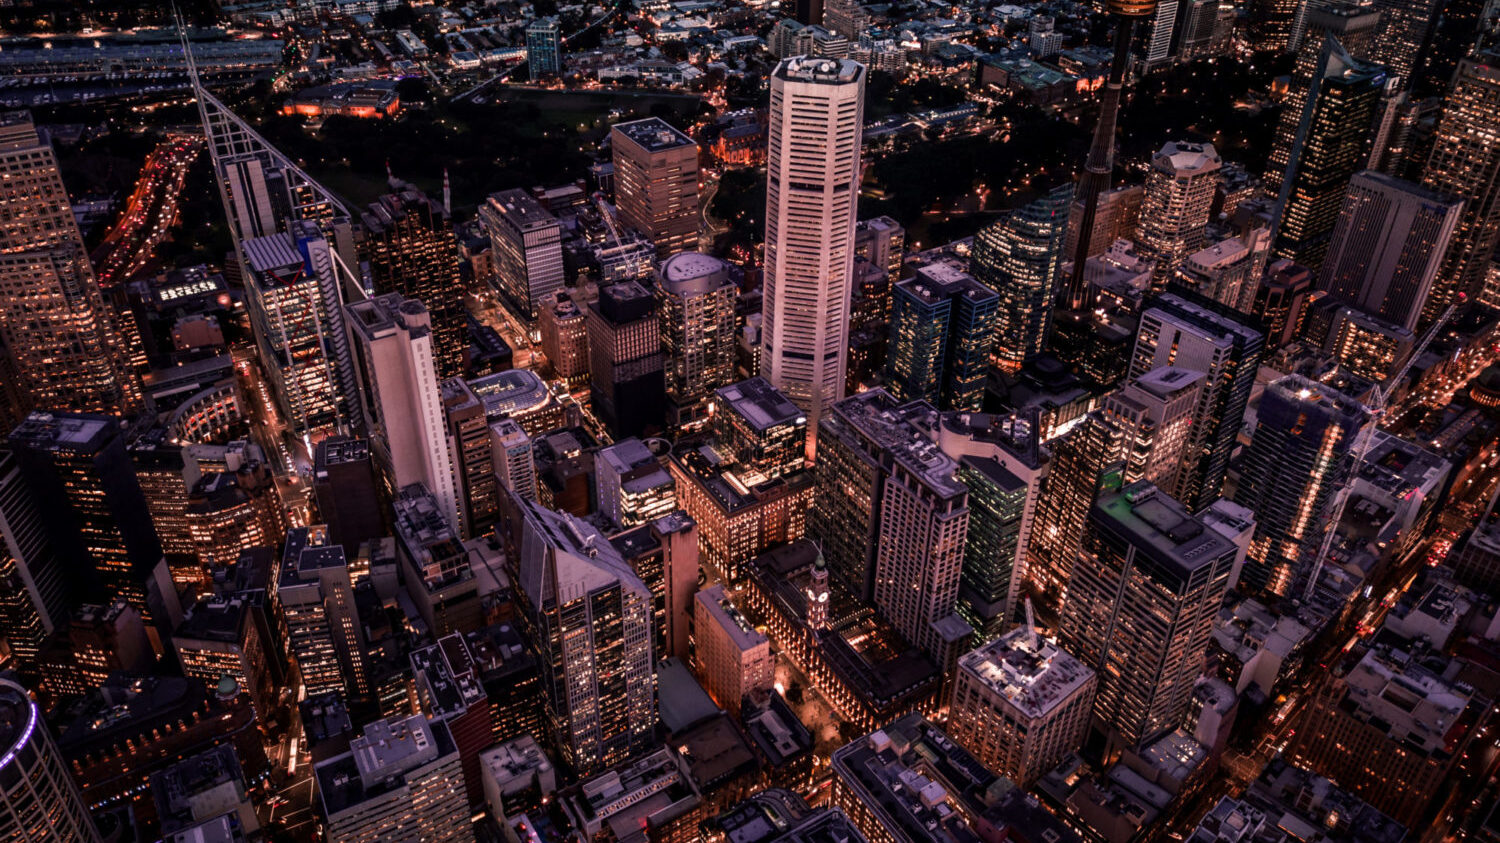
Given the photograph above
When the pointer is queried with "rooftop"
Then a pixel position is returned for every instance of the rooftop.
(379, 759)
(511, 391)
(1033, 673)
(63, 432)
(1162, 528)
(723, 612)
(653, 134)
(890, 429)
(760, 404)
(820, 70)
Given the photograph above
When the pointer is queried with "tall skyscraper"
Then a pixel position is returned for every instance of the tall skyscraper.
(942, 334)
(695, 297)
(62, 341)
(904, 544)
(84, 487)
(42, 804)
(991, 575)
(294, 298)
(544, 47)
(656, 183)
(1140, 610)
(512, 460)
(1353, 27)
(1019, 258)
(1174, 212)
(1270, 23)
(1179, 329)
(625, 359)
(1406, 27)
(394, 336)
(34, 597)
(1156, 413)
(1159, 47)
(1297, 460)
(347, 492)
(1331, 143)
(758, 428)
(634, 487)
(817, 112)
(1085, 461)
(527, 241)
(314, 602)
(1465, 164)
(470, 448)
(590, 618)
(1388, 245)
(413, 251)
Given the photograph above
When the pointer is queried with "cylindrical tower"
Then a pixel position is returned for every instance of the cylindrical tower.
(38, 799)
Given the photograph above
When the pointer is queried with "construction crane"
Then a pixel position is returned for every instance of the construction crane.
(638, 267)
(1379, 397)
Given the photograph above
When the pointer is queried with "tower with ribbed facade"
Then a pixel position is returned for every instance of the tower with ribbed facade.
(817, 113)
(38, 800)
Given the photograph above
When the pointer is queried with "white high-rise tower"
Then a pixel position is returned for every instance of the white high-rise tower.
(817, 115)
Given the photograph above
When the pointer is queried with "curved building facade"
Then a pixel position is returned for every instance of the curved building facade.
(38, 800)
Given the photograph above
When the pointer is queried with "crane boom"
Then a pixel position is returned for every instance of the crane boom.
(1380, 396)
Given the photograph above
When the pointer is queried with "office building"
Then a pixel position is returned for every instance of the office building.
(511, 460)
(1405, 29)
(41, 802)
(470, 444)
(1019, 258)
(1367, 346)
(521, 395)
(816, 104)
(908, 782)
(904, 544)
(413, 252)
(882, 242)
(527, 244)
(589, 616)
(1116, 218)
(1390, 728)
(63, 347)
(1465, 164)
(1388, 246)
(1297, 461)
(34, 595)
(313, 600)
(759, 428)
(1140, 610)
(201, 788)
(626, 375)
(79, 477)
(1156, 413)
(664, 554)
(1175, 208)
(544, 48)
(740, 511)
(400, 780)
(294, 298)
(634, 487)
(1331, 144)
(990, 580)
(695, 301)
(565, 339)
(1084, 461)
(656, 183)
(1021, 703)
(435, 564)
(447, 681)
(1181, 330)
(224, 636)
(1353, 27)
(732, 657)
(405, 404)
(516, 776)
(347, 493)
(106, 638)
(942, 334)
(1229, 271)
